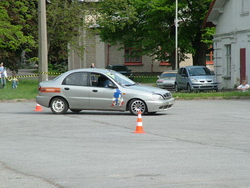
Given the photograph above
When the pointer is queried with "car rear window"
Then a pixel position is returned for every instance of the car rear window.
(164, 75)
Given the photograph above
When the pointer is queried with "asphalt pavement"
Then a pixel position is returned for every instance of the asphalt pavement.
(198, 143)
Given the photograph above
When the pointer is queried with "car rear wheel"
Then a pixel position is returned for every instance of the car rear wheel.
(136, 105)
(59, 105)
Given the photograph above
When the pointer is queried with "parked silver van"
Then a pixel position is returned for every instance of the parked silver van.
(195, 78)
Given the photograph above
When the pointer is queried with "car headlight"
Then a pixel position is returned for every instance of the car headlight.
(194, 80)
(157, 96)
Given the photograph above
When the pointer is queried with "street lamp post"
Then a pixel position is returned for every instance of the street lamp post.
(176, 35)
(43, 49)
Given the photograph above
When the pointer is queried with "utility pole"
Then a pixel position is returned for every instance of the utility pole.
(176, 35)
(43, 49)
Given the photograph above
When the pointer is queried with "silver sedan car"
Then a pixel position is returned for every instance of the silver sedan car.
(167, 80)
(101, 89)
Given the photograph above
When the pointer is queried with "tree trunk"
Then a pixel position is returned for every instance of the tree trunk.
(199, 58)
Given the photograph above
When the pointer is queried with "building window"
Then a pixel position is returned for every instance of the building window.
(133, 57)
(244, 7)
(209, 56)
(228, 60)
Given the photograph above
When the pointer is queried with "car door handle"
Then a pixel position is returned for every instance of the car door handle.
(66, 88)
(94, 90)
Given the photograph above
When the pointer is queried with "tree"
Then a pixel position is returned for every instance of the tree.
(66, 19)
(14, 25)
(19, 29)
(150, 25)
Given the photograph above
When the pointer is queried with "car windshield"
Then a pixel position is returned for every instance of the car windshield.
(120, 79)
(199, 71)
(168, 75)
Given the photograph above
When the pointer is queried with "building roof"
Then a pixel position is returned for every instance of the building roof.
(215, 10)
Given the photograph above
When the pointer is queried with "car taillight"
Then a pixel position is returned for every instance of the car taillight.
(49, 90)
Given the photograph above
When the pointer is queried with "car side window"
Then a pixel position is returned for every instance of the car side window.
(179, 71)
(76, 79)
(99, 80)
(94, 79)
(184, 73)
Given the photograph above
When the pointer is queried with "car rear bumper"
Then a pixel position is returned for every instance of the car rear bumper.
(43, 100)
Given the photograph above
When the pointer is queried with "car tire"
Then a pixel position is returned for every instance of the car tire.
(189, 90)
(59, 105)
(136, 105)
(176, 88)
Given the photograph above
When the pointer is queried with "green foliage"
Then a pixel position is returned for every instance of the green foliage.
(144, 79)
(58, 67)
(19, 30)
(15, 37)
(208, 35)
(150, 25)
(64, 19)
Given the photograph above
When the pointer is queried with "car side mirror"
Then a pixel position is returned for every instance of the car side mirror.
(112, 85)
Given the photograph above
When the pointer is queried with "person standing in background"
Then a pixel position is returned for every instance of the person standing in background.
(3, 75)
(92, 65)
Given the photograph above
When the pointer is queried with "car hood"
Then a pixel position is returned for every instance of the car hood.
(146, 88)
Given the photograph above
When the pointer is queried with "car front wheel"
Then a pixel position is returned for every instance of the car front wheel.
(176, 88)
(59, 105)
(136, 105)
(189, 90)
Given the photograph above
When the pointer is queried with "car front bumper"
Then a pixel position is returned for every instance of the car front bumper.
(161, 105)
(205, 86)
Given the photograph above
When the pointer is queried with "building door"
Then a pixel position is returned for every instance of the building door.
(242, 64)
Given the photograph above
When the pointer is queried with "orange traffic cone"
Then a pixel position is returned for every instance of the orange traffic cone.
(38, 108)
(139, 126)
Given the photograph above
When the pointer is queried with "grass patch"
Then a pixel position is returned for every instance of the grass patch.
(145, 79)
(212, 95)
(26, 89)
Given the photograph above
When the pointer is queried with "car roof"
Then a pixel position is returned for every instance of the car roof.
(198, 66)
(90, 70)
(117, 65)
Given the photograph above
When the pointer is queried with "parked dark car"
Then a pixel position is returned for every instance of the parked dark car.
(123, 69)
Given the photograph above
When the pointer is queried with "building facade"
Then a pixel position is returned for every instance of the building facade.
(103, 54)
(231, 41)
